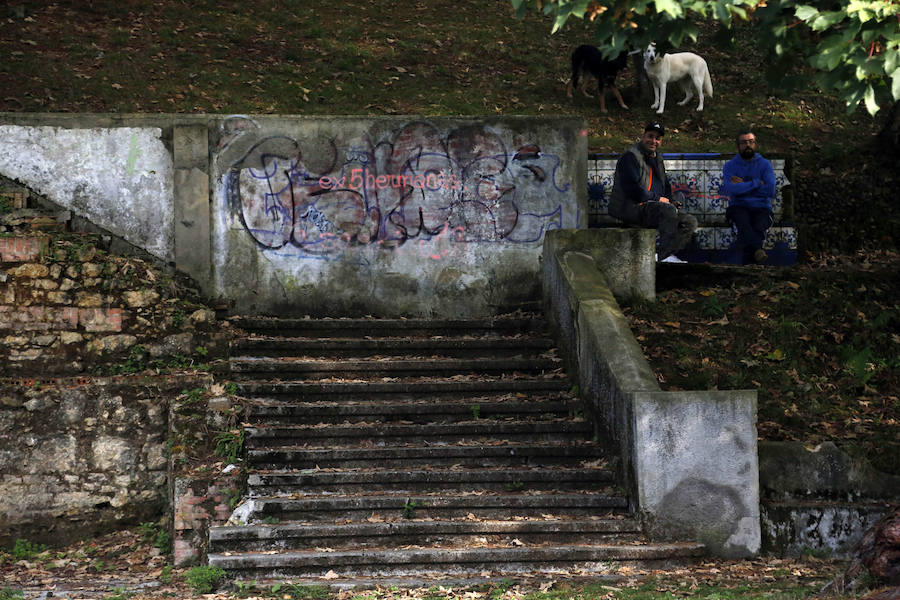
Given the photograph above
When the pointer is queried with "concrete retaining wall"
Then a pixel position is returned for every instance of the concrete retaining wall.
(820, 499)
(688, 459)
(319, 216)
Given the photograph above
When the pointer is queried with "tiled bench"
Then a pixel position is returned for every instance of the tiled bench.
(699, 178)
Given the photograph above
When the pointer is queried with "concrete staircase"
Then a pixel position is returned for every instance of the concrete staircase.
(409, 448)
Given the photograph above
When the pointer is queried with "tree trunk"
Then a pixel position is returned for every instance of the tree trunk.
(889, 136)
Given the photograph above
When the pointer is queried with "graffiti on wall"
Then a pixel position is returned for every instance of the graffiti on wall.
(420, 185)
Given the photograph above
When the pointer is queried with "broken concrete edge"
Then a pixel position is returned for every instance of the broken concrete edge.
(199, 499)
(197, 504)
(819, 500)
(687, 459)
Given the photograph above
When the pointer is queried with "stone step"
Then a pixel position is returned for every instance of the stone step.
(465, 408)
(418, 532)
(452, 560)
(401, 391)
(360, 328)
(348, 481)
(485, 432)
(436, 447)
(458, 347)
(507, 455)
(487, 505)
(302, 368)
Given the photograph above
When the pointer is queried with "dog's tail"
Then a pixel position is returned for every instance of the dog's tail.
(707, 84)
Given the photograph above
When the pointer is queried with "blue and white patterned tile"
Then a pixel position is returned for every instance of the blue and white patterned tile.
(691, 184)
(715, 209)
(598, 198)
(789, 236)
(773, 236)
(725, 237)
(777, 207)
(716, 203)
(706, 238)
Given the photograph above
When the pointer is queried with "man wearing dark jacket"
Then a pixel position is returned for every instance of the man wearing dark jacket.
(641, 194)
(748, 180)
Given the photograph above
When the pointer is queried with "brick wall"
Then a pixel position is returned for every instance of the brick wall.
(67, 307)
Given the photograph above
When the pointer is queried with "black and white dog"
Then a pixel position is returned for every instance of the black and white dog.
(588, 59)
(687, 68)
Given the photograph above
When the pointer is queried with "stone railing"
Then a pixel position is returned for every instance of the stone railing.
(688, 459)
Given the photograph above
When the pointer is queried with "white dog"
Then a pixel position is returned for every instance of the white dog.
(686, 68)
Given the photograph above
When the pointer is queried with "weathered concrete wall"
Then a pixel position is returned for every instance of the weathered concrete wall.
(696, 456)
(391, 216)
(689, 459)
(819, 499)
(118, 178)
(79, 459)
(320, 216)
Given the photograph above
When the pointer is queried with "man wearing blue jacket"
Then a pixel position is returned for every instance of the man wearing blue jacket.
(749, 182)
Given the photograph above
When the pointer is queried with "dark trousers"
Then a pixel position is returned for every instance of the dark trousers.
(751, 224)
(675, 228)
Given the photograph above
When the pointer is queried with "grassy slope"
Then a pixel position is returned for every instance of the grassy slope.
(464, 57)
(470, 57)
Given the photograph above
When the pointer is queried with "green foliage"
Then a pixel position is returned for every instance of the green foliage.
(5, 205)
(713, 307)
(119, 594)
(204, 579)
(234, 497)
(192, 396)
(11, 594)
(229, 444)
(499, 590)
(476, 411)
(515, 486)
(861, 364)
(855, 47)
(165, 575)
(151, 533)
(25, 550)
(409, 509)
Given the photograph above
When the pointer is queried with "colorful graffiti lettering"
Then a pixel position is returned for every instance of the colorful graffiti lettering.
(457, 188)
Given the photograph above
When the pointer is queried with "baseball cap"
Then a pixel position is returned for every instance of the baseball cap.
(654, 126)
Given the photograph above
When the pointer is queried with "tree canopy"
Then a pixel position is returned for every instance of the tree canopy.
(852, 45)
